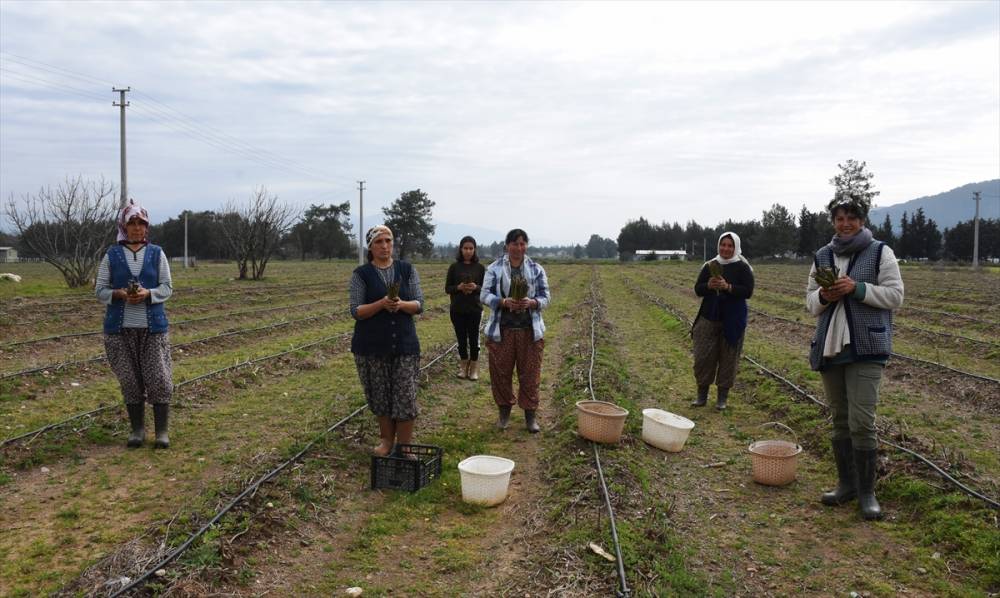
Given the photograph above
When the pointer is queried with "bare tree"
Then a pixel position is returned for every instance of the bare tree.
(69, 227)
(254, 230)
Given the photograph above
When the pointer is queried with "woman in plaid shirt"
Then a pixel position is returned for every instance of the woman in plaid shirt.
(515, 329)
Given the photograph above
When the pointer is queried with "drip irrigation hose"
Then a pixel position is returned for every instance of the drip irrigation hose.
(66, 364)
(178, 323)
(48, 427)
(989, 501)
(249, 490)
(624, 591)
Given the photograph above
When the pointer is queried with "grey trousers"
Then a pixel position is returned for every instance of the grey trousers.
(852, 393)
(715, 360)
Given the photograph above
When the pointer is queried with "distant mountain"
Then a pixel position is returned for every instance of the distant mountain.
(948, 208)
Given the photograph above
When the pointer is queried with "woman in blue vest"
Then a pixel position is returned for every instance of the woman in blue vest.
(718, 329)
(385, 346)
(852, 344)
(133, 280)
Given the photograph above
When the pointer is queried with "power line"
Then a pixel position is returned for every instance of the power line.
(168, 116)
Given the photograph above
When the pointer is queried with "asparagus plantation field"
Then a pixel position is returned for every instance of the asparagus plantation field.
(261, 369)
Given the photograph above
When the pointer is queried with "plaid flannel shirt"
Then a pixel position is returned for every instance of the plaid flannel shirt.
(496, 287)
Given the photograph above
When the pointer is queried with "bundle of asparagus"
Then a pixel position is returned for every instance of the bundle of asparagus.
(826, 276)
(133, 287)
(518, 288)
(393, 291)
(714, 269)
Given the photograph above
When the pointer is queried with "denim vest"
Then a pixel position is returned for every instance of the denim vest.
(385, 333)
(870, 327)
(149, 278)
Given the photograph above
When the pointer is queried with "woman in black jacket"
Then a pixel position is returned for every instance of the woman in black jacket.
(463, 282)
(722, 319)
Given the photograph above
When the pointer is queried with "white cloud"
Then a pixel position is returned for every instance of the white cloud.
(598, 111)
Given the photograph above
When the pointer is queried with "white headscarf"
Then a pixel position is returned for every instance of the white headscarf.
(737, 254)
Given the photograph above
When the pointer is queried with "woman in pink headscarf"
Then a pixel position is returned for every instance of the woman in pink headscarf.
(133, 280)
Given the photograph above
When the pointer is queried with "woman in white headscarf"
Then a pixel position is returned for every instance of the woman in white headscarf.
(133, 281)
(722, 319)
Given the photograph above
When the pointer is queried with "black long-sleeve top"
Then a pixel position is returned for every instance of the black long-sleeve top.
(458, 272)
(728, 306)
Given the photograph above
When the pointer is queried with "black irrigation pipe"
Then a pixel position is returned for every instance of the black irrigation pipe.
(89, 297)
(178, 323)
(182, 305)
(894, 354)
(919, 360)
(989, 501)
(241, 364)
(248, 491)
(624, 591)
(916, 329)
(66, 364)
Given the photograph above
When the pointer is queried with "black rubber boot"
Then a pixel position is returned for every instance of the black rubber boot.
(847, 484)
(161, 413)
(720, 403)
(136, 416)
(702, 397)
(865, 461)
(529, 421)
(504, 420)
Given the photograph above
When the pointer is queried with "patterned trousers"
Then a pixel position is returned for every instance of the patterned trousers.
(141, 362)
(715, 360)
(517, 348)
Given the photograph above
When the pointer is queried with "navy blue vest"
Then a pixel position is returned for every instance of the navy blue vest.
(870, 327)
(385, 333)
(149, 278)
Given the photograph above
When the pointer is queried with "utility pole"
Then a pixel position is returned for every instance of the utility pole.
(976, 196)
(361, 223)
(185, 239)
(123, 104)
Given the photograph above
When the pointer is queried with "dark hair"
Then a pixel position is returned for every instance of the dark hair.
(514, 234)
(849, 209)
(475, 254)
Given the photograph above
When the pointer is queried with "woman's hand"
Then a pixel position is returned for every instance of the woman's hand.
(844, 286)
(718, 283)
(390, 305)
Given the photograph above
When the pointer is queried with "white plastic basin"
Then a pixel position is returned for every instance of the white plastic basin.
(485, 479)
(664, 430)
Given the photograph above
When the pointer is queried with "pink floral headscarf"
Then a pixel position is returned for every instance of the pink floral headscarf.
(130, 211)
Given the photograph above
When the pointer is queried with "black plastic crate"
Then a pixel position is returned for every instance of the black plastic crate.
(409, 467)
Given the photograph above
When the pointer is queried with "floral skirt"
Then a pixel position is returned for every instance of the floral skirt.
(390, 383)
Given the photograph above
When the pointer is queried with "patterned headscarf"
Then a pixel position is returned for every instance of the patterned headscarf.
(130, 211)
(376, 232)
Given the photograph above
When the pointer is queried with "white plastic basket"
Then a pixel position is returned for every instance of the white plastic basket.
(664, 430)
(485, 479)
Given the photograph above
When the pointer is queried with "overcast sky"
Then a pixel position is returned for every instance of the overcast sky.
(564, 119)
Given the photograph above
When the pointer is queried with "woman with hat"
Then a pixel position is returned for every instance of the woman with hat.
(852, 344)
(133, 280)
(719, 327)
(385, 294)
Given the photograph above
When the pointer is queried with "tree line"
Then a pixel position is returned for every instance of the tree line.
(72, 225)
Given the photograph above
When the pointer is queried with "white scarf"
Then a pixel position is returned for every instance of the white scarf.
(737, 254)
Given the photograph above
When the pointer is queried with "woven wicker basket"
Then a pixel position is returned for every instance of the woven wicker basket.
(600, 421)
(774, 461)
